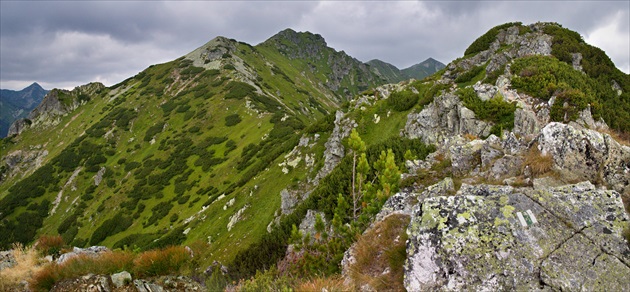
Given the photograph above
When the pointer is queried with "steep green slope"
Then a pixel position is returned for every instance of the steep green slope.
(184, 151)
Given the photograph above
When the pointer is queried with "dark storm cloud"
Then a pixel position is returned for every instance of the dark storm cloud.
(68, 43)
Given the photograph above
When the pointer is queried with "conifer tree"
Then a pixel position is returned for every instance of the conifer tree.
(358, 147)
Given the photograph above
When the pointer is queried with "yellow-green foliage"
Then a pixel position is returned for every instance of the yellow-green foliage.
(495, 110)
(484, 41)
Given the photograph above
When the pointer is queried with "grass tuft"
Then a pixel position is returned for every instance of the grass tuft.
(28, 263)
(538, 163)
(381, 254)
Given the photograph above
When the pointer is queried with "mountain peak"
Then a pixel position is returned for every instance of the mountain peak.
(302, 37)
(35, 85)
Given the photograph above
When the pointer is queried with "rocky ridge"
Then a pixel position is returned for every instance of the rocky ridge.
(57, 103)
(538, 208)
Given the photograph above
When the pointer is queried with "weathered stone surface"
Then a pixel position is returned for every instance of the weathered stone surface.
(465, 158)
(582, 154)
(18, 127)
(307, 226)
(334, 148)
(121, 279)
(7, 260)
(477, 241)
(76, 251)
(444, 118)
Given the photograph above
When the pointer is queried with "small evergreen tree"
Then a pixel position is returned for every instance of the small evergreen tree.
(358, 147)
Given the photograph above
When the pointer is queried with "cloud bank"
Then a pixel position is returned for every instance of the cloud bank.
(65, 44)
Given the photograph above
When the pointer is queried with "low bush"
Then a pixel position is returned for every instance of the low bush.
(402, 100)
(232, 120)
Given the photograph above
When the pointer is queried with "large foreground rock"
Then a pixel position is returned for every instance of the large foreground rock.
(504, 238)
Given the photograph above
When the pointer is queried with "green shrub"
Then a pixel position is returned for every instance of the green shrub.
(116, 224)
(402, 100)
(495, 110)
(232, 120)
(470, 74)
(238, 90)
(483, 42)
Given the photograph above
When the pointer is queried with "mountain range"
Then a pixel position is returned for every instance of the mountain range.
(15, 105)
(289, 163)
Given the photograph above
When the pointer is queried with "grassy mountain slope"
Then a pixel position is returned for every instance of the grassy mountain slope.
(423, 69)
(418, 71)
(175, 153)
(199, 149)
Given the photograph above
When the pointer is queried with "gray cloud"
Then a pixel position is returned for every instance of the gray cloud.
(68, 43)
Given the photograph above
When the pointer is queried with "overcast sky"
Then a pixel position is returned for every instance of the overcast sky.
(68, 43)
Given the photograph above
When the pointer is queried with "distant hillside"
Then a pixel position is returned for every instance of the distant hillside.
(17, 104)
(424, 69)
(417, 71)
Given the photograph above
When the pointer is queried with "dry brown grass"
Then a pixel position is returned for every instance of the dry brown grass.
(331, 284)
(381, 249)
(106, 263)
(538, 163)
(28, 264)
(161, 262)
(622, 137)
(150, 263)
(49, 244)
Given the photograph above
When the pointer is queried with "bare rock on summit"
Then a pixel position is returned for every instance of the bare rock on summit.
(503, 238)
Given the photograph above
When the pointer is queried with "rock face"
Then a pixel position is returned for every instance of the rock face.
(443, 118)
(7, 260)
(504, 238)
(582, 154)
(334, 148)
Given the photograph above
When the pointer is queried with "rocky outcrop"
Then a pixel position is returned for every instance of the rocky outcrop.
(443, 118)
(582, 154)
(57, 103)
(19, 126)
(106, 283)
(7, 259)
(503, 238)
(21, 161)
(334, 148)
(77, 251)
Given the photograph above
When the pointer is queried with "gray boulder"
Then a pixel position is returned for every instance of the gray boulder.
(121, 279)
(7, 260)
(582, 154)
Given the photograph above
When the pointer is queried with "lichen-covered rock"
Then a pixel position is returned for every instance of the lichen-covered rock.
(582, 154)
(465, 158)
(307, 226)
(504, 238)
(121, 279)
(443, 118)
